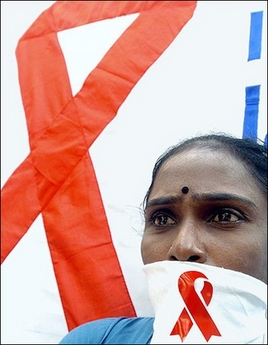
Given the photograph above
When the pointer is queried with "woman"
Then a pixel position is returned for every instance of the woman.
(207, 203)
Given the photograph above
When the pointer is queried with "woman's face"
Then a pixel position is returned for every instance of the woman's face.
(220, 221)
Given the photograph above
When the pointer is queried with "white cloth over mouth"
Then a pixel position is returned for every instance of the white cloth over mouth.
(213, 305)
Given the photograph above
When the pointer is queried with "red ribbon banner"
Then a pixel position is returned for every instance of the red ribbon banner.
(58, 178)
(195, 307)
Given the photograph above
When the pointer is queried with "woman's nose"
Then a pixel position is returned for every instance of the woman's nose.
(187, 245)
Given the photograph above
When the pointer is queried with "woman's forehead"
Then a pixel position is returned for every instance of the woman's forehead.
(204, 159)
(205, 171)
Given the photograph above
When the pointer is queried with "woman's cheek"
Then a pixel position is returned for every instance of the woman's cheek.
(153, 250)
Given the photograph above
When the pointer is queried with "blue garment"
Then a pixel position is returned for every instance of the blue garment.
(120, 330)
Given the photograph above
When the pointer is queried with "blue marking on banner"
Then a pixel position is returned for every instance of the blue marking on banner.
(251, 112)
(254, 51)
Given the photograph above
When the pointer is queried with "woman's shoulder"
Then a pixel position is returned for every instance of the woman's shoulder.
(120, 330)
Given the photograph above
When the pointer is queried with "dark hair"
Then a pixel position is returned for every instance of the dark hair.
(252, 154)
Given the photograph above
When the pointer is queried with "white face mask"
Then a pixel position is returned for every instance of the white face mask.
(201, 304)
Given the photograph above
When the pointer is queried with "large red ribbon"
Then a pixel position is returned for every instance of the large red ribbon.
(195, 307)
(58, 179)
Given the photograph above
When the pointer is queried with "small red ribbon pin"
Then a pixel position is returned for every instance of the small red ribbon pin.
(195, 306)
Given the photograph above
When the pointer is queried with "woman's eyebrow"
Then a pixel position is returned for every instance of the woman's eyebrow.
(165, 200)
(222, 197)
(206, 197)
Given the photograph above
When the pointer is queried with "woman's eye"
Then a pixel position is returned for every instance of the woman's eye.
(225, 216)
(161, 219)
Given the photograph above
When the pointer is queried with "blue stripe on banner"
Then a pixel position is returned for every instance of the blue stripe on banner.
(251, 112)
(254, 51)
